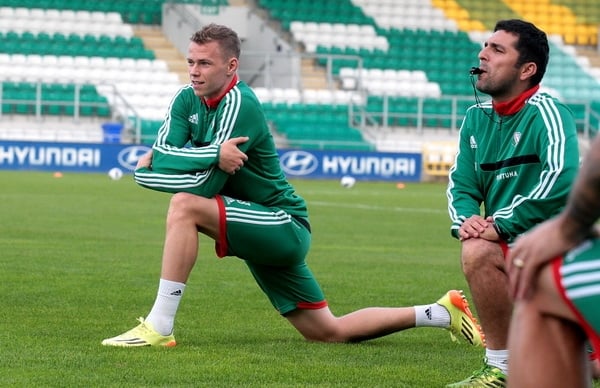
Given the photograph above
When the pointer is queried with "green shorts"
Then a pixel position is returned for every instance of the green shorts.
(274, 245)
(577, 277)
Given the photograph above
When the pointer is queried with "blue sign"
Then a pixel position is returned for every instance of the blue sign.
(360, 165)
(86, 157)
(90, 157)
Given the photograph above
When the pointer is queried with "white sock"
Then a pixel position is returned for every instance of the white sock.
(162, 315)
(433, 315)
(497, 358)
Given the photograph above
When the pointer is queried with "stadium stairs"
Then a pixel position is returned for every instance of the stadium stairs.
(156, 41)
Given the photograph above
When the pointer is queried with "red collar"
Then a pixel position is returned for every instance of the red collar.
(214, 102)
(511, 107)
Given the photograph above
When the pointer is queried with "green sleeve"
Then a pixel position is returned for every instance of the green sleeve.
(172, 152)
(205, 183)
(464, 196)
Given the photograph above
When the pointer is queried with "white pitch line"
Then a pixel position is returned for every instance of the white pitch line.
(371, 207)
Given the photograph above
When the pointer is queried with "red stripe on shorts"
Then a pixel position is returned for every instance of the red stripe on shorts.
(312, 305)
(589, 331)
(504, 247)
(221, 247)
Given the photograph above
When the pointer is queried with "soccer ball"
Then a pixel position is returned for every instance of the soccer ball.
(347, 181)
(115, 173)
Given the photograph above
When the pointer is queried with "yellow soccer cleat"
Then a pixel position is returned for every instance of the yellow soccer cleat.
(462, 322)
(488, 377)
(141, 335)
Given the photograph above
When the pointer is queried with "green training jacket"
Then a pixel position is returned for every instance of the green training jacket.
(516, 168)
(186, 151)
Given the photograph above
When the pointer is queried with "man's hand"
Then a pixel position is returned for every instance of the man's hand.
(231, 159)
(478, 227)
(472, 227)
(144, 160)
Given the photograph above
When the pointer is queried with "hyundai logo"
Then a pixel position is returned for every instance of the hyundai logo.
(299, 163)
(129, 156)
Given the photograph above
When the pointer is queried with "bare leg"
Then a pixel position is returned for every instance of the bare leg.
(483, 266)
(321, 325)
(547, 349)
(188, 214)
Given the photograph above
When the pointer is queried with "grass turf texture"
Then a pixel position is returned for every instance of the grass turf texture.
(81, 260)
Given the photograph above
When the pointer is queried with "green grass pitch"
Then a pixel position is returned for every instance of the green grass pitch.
(81, 258)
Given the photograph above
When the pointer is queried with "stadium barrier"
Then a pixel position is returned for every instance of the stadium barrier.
(296, 163)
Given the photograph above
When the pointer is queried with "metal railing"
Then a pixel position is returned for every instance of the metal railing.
(43, 105)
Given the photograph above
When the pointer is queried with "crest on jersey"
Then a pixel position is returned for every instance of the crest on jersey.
(516, 138)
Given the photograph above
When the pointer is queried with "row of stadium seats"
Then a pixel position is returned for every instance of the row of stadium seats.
(343, 11)
(42, 15)
(558, 20)
(52, 99)
(315, 125)
(289, 96)
(415, 15)
(90, 63)
(83, 69)
(66, 22)
(390, 82)
(73, 44)
(587, 11)
(131, 11)
(337, 34)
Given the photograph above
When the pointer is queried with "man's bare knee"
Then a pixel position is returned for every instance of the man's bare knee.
(478, 253)
(179, 200)
(186, 208)
(194, 211)
(179, 206)
(321, 328)
(321, 336)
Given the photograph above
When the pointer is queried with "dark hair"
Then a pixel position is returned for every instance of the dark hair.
(532, 45)
(227, 38)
